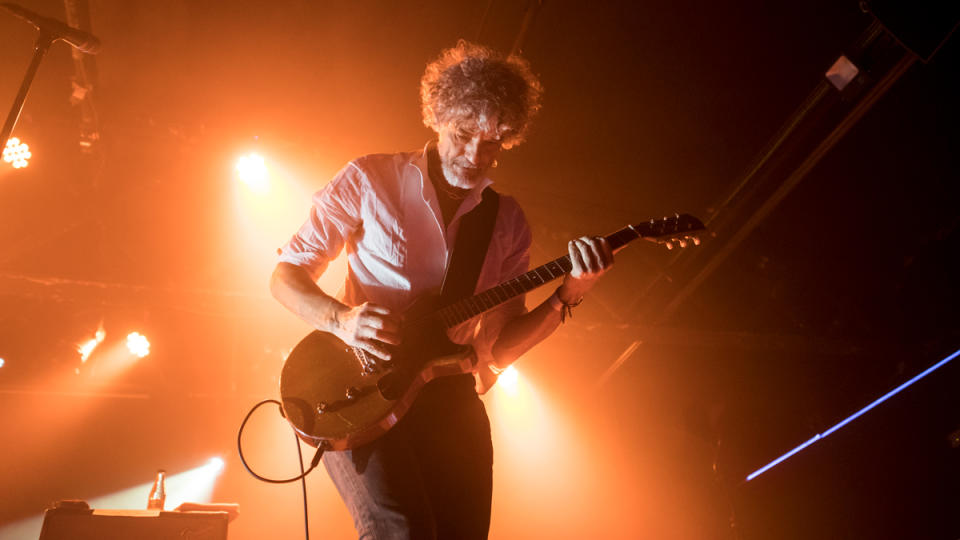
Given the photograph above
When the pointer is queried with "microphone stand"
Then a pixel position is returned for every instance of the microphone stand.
(44, 39)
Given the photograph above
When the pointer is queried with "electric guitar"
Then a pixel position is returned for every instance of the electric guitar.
(334, 394)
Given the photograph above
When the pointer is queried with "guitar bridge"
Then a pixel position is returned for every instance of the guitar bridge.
(368, 364)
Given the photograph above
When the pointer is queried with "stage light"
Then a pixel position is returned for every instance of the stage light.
(16, 153)
(112, 358)
(2, 362)
(517, 403)
(86, 349)
(137, 344)
(509, 379)
(195, 485)
(252, 171)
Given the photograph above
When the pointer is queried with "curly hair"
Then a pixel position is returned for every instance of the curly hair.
(469, 81)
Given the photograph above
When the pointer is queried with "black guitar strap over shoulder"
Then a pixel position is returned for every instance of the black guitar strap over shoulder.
(470, 249)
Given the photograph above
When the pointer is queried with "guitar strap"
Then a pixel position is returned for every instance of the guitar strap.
(470, 249)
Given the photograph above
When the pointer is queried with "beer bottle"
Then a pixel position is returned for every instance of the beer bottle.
(158, 493)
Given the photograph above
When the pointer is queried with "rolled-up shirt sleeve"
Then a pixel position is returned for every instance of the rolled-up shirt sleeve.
(334, 216)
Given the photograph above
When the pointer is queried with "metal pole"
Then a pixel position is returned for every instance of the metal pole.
(40, 49)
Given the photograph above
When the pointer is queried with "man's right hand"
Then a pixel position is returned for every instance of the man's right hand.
(370, 327)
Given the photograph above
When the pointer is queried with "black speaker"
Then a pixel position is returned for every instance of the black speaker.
(75, 520)
(920, 25)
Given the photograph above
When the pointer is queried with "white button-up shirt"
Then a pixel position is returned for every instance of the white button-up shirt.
(384, 209)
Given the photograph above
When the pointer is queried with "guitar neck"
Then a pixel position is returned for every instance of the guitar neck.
(470, 307)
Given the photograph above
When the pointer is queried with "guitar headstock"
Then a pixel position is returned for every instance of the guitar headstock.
(678, 230)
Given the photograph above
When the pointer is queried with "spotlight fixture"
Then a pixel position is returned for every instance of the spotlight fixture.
(138, 344)
(16, 153)
(508, 379)
(252, 171)
(86, 348)
(216, 463)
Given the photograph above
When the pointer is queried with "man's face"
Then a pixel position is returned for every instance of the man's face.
(467, 151)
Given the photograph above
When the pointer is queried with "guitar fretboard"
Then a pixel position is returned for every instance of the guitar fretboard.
(468, 308)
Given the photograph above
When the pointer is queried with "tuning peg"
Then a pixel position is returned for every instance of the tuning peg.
(682, 242)
(696, 240)
(669, 244)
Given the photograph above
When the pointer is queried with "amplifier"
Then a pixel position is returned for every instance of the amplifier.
(75, 520)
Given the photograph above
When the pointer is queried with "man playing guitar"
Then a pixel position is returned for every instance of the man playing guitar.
(430, 475)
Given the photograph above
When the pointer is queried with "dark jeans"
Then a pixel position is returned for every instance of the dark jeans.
(430, 477)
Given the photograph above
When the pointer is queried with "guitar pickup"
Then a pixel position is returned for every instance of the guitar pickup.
(349, 395)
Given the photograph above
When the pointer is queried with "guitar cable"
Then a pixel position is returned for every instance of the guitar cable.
(321, 448)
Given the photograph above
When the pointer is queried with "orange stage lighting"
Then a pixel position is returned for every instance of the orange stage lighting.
(216, 463)
(252, 171)
(195, 485)
(536, 441)
(17, 153)
(509, 380)
(109, 361)
(138, 344)
(517, 403)
(86, 348)
(267, 213)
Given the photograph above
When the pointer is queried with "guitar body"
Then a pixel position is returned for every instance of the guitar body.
(329, 396)
(333, 395)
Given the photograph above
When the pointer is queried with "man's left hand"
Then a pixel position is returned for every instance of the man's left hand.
(591, 257)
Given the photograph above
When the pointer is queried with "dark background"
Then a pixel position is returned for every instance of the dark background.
(842, 293)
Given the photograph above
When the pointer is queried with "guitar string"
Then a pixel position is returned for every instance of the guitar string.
(467, 308)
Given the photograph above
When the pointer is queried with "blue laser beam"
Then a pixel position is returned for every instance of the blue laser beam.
(852, 417)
